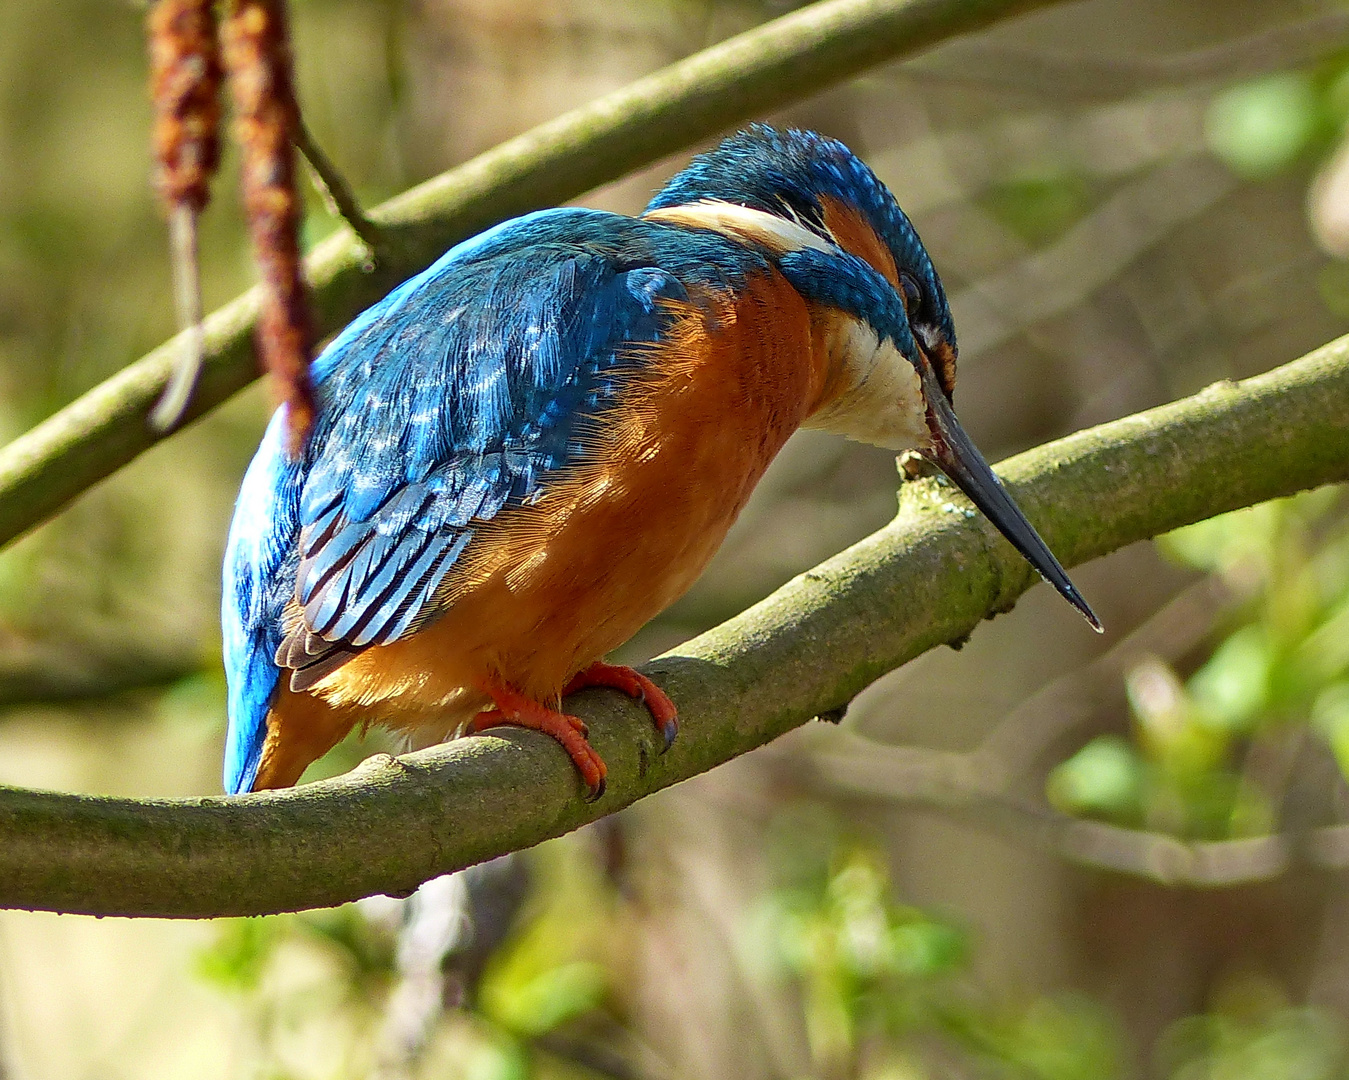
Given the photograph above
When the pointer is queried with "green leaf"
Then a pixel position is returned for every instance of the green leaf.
(239, 956)
(1330, 716)
(500, 1060)
(1232, 689)
(928, 949)
(1039, 209)
(1225, 542)
(549, 999)
(1067, 1038)
(1259, 128)
(1104, 777)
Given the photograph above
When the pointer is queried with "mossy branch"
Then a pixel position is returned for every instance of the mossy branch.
(927, 578)
(762, 69)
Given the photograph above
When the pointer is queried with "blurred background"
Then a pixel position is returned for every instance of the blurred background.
(1049, 856)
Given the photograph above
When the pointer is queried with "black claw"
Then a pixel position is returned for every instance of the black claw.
(597, 792)
(669, 731)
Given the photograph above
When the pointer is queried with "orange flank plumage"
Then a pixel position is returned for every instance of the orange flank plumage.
(548, 588)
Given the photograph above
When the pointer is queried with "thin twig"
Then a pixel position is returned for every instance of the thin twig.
(336, 192)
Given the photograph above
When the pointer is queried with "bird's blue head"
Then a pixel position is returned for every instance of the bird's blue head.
(818, 183)
(842, 241)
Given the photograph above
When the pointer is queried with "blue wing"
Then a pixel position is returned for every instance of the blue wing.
(461, 392)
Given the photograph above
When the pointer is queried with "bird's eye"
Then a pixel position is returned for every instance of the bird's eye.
(911, 290)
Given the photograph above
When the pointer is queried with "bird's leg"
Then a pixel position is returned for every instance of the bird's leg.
(513, 707)
(638, 687)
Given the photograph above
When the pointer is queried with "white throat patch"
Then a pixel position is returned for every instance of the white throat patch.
(881, 401)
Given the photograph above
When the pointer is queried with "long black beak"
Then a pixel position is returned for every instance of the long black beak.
(960, 459)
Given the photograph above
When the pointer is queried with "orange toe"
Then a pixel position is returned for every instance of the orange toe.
(636, 686)
(514, 707)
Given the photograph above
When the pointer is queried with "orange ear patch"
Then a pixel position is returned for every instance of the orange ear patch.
(943, 358)
(858, 238)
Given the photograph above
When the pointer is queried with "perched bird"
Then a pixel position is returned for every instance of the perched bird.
(527, 451)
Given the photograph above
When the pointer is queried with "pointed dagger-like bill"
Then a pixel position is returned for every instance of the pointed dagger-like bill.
(960, 460)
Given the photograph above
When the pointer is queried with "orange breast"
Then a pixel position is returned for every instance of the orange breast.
(547, 589)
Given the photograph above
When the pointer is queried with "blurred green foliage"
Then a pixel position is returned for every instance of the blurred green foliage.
(1261, 126)
(1042, 208)
(880, 979)
(556, 967)
(1197, 763)
(877, 979)
(240, 954)
(1253, 1033)
(290, 973)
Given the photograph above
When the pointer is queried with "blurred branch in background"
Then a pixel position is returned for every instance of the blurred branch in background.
(1092, 77)
(1026, 735)
(34, 671)
(951, 783)
(1094, 252)
(926, 579)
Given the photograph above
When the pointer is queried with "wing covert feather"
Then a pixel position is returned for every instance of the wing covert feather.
(463, 399)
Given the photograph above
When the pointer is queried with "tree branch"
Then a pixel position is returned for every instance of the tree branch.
(925, 579)
(757, 71)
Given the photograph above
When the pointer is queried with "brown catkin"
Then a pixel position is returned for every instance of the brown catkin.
(185, 87)
(257, 57)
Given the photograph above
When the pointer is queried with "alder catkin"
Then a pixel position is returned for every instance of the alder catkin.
(257, 58)
(185, 89)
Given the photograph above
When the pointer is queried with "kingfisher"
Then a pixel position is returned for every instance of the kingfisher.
(527, 451)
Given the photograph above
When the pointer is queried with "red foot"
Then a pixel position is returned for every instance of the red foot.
(636, 686)
(514, 707)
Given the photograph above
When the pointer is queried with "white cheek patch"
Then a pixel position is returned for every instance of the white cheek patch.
(882, 398)
(775, 233)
